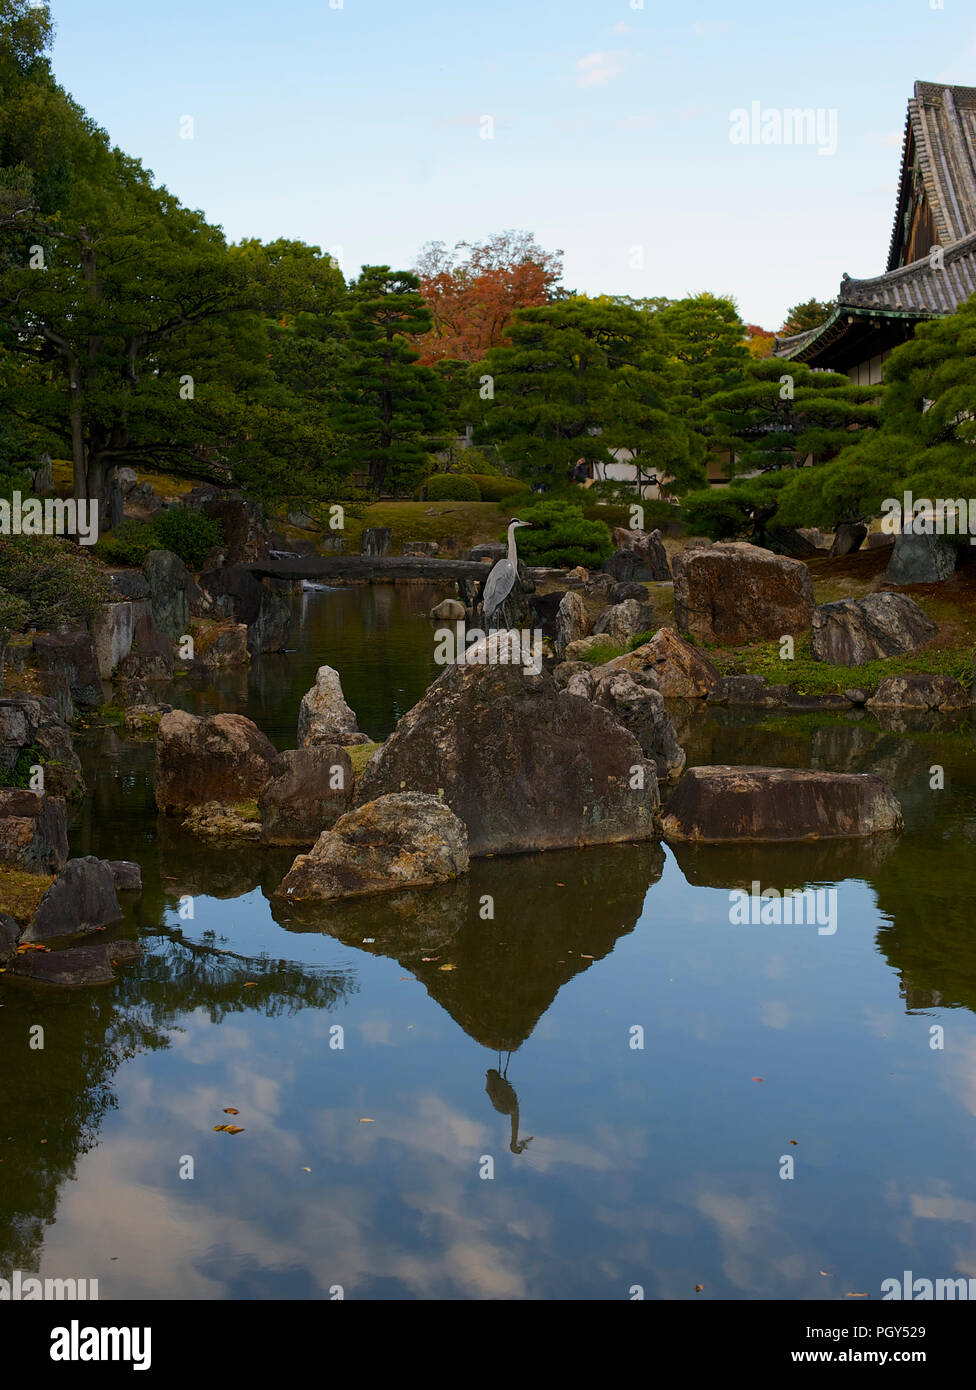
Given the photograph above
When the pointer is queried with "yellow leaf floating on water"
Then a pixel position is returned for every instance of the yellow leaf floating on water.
(219, 1129)
(448, 967)
(306, 1170)
(229, 1110)
(365, 1120)
(234, 1129)
(857, 1295)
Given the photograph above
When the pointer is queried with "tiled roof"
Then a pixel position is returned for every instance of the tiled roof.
(941, 131)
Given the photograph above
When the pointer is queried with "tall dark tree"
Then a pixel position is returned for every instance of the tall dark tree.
(390, 411)
(583, 379)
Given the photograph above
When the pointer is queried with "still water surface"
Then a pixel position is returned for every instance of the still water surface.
(614, 1165)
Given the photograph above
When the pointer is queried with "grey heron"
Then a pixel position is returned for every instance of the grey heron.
(501, 580)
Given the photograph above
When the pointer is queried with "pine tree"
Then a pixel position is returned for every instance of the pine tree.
(390, 409)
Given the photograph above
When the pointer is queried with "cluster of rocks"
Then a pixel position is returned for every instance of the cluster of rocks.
(81, 899)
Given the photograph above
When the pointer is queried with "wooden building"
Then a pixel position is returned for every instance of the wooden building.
(932, 256)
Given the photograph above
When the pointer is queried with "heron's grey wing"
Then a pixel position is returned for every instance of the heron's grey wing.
(498, 586)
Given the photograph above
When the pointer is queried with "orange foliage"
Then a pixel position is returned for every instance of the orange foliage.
(472, 296)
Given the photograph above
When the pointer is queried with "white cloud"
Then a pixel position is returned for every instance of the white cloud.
(621, 27)
(597, 68)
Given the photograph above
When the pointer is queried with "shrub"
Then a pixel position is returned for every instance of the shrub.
(475, 461)
(496, 488)
(129, 545)
(450, 487)
(561, 535)
(188, 534)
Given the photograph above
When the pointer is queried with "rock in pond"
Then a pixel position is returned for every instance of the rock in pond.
(310, 789)
(324, 716)
(711, 805)
(78, 965)
(81, 899)
(919, 692)
(635, 702)
(225, 758)
(525, 765)
(33, 830)
(404, 840)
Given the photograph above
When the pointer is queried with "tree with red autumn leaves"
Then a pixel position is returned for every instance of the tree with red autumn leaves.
(473, 290)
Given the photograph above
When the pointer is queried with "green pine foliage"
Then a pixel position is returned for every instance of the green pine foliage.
(561, 535)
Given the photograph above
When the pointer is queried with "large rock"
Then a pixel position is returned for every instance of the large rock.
(265, 612)
(310, 789)
(448, 610)
(9, 936)
(324, 716)
(404, 840)
(852, 632)
(151, 655)
(71, 654)
(648, 546)
(79, 965)
(848, 537)
(81, 899)
(635, 702)
(218, 644)
(735, 593)
(919, 692)
(33, 831)
(682, 671)
(624, 567)
(226, 758)
(29, 722)
(622, 621)
(128, 586)
(245, 526)
(919, 559)
(113, 632)
(525, 766)
(169, 583)
(714, 804)
(572, 622)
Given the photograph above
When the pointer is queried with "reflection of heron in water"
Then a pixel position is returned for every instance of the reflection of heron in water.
(502, 1095)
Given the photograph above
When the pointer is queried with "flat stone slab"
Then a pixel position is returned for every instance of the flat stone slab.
(79, 965)
(712, 805)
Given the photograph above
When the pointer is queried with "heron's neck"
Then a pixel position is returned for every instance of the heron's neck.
(512, 552)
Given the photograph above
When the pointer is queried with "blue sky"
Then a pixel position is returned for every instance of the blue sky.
(362, 127)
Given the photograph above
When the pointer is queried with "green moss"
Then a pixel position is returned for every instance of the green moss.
(807, 676)
(359, 756)
(20, 774)
(21, 893)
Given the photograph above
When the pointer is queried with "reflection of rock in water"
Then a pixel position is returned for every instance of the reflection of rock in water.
(189, 865)
(781, 866)
(508, 969)
(921, 721)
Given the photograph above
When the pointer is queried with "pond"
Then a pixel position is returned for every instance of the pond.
(608, 1084)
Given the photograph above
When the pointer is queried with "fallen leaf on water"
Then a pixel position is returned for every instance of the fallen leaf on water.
(448, 967)
(755, 1078)
(795, 1143)
(365, 1120)
(218, 1129)
(250, 984)
(234, 1129)
(699, 1287)
(229, 1110)
(306, 1170)
(584, 956)
(857, 1295)
(825, 1274)
(560, 885)
(427, 959)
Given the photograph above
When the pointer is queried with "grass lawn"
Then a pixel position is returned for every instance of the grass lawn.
(453, 525)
